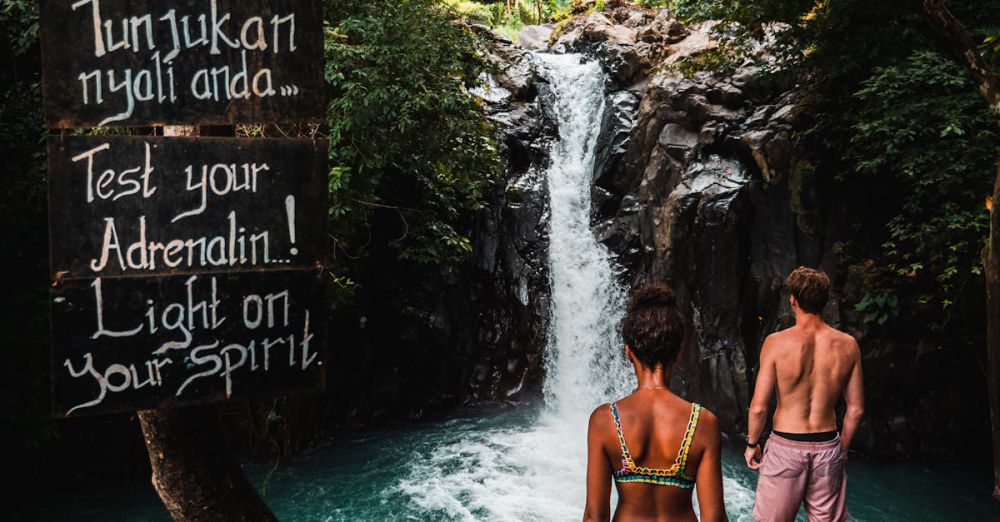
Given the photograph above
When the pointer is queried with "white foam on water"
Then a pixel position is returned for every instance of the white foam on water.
(503, 475)
(537, 472)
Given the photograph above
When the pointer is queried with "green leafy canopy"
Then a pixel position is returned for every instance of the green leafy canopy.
(409, 143)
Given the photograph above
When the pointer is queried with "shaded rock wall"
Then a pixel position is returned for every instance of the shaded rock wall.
(427, 338)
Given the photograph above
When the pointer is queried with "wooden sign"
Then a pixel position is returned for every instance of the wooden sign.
(145, 206)
(182, 62)
(130, 343)
(185, 269)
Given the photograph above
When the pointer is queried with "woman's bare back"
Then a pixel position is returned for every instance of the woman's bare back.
(654, 425)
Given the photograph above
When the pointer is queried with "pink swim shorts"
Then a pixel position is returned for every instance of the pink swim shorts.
(793, 473)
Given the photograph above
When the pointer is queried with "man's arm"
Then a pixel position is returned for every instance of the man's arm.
(598, 508)
(854, 395)
(761, 402)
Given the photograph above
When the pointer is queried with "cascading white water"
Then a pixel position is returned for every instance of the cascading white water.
(585, 365)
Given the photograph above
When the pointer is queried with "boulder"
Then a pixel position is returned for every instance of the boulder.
(675, 135)
(771, 152)
(616, 44)
(663, 28)
(534, 37)
(599, 28)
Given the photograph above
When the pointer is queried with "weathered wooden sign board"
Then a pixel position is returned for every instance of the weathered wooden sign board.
(139, 206)
(185, 269)
(182, 62)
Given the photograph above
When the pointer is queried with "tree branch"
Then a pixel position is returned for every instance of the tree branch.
(961, 43)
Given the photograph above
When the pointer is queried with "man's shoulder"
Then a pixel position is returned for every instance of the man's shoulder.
(843, 344)
(780, 335)
(781, 338)
(841, 338)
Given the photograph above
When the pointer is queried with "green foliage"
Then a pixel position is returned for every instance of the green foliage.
(19, 18)
(923, 124)
(474, 12)
(878, 308)
(410, 147)
(509, 19)
(895, 117)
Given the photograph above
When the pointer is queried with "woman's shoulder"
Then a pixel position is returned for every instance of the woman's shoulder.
(707, 418)
(707, 430)
(601, 415)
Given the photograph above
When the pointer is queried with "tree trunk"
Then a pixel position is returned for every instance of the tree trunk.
(193, 471)
(958, 38)
(992, 263)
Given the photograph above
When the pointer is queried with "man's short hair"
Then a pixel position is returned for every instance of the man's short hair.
(810, 287)
(653, 328)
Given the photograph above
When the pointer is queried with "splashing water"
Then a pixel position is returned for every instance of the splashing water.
(536, 471)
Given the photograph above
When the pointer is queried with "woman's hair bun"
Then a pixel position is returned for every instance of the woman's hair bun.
(653, 328)
(657, 294)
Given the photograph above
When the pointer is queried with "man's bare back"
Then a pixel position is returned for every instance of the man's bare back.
(812, 364)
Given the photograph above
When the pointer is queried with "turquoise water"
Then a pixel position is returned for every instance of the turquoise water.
(466, 469)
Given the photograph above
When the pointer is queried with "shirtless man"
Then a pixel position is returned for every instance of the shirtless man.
(810, 366)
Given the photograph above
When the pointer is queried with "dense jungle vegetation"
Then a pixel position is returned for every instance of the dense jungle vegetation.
(898, 125)
(895, 124)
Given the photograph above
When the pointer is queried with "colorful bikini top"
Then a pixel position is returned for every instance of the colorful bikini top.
(674, 475)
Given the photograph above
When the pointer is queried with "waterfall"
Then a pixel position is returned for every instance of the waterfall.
(585, 364)
(534, 469)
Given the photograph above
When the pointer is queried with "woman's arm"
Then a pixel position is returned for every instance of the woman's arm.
(709, 477)
(598, 507)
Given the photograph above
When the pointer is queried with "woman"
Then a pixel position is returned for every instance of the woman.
(655, 445)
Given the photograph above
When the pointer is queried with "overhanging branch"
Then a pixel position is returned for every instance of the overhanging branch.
(961, 43)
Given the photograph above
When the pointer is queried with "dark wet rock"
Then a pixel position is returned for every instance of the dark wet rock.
(726, 94)
(616, 128)
(698, 194)
(511, 241)
(513, 70)
(675, 136)
(711, 194)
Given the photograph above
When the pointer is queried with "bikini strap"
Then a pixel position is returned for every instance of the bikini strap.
(692, 425)
(626, 456)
